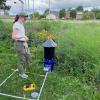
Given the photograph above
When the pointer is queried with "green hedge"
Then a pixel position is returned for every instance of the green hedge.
(97, 15)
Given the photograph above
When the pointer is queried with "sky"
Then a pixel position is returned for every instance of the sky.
(41, 5)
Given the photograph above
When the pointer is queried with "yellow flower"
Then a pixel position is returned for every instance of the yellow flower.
(45, 35)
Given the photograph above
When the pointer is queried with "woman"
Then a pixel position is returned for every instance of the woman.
(18, 35)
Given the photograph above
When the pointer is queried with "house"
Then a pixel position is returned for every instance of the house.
(79, 15)
(4, 12)
(1, 12)
(67, 15)
(50, 16)
(53, 15)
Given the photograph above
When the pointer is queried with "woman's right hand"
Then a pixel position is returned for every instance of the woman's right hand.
(26, 38)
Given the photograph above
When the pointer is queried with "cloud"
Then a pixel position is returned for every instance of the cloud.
(58, 4)
(16, 8)
(41, 5)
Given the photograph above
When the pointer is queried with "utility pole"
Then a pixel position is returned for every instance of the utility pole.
(49, 6)
(33, 6)
(28, 4)
(25, 5)
(22, 3)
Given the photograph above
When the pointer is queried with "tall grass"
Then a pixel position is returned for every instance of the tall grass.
(79, 49)
(77, 71)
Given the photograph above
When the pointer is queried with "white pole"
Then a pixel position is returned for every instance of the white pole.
(33, 6)
(42, 86)
(49, 6)
(28, 5)
(22, 4)
(7, 78)
(17, 97)
(25, 5)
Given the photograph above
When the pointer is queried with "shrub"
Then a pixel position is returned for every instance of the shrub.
(97, 15)
(78, 51)
(5, 30)
(88, 15)
(36, 15)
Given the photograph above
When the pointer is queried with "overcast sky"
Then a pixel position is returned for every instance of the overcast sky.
(55, 4)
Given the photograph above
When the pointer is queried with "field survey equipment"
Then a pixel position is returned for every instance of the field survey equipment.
(34, 94)
(29, 87)
(49, 52)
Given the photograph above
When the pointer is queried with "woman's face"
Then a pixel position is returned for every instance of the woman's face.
(22, 18)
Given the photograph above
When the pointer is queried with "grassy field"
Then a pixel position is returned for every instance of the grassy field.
(77, 69)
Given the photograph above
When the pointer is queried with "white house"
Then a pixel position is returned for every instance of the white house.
(53, 15)
(1, 12)
(4, 12)
(79, 15)
(67, 15)
(50, 16)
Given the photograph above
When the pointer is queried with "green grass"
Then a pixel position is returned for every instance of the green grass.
(77, 69)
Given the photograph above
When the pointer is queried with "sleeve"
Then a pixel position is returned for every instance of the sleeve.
(16, 26)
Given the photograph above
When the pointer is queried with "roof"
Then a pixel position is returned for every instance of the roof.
(79, 13)
(49, 43)
(56, 13)
(51, 16)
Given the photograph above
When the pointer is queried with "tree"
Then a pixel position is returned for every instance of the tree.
(96, 10)
(69, 9)
(79, 8)
(36, 15)
(88, 15)
(73, 13)
(2, 3)
(5, 7)
(62, 13)
(46, 12)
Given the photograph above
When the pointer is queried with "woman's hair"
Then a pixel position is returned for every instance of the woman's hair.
(16, 18)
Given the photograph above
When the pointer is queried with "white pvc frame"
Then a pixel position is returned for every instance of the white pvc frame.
(22, 98)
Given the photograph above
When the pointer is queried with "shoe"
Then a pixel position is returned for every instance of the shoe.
(23, 75)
